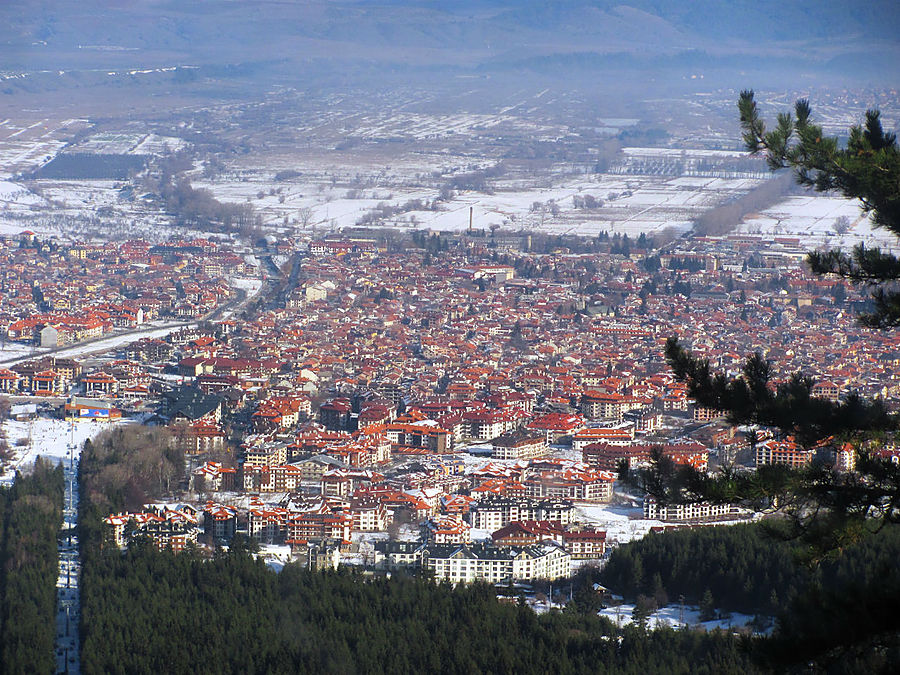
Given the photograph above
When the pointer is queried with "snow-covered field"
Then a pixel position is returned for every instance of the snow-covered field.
(819, 220)
(26, 144)
(632, 203)
(252, 286)
(675, 616)
(334, 191)
(11, 351)
(276, 556)
(622, 523)
(50, 438)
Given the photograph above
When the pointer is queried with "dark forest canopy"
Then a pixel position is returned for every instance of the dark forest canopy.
(158, 612)
(840, 611)
(30, 518)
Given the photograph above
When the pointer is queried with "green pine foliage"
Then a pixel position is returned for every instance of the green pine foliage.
(150, 612)
(866, 168)
(30, 519)
(745, 569)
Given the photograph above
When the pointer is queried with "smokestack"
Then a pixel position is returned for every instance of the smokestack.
(471, 209)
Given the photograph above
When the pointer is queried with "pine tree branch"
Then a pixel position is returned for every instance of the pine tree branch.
(791, 408)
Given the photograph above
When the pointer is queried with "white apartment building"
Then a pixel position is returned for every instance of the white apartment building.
(467, 563)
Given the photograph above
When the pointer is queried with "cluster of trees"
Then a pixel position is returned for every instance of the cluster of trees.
(88, 166)
(385, 210)
(743, 567)
(830, 607)
(156, 612)
(725, 217)
(195, 207)
(432, 242)
(201, 209)
(124, 467)
(479, 180)
(621, 245)
(687, 264)
(586, 202)
(287, 174)
(30, 518)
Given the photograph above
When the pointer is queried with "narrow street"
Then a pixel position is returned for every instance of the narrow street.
(68, 599)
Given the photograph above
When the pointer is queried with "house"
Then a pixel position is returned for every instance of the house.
(447, 530)
(703, 415)
(319, 554)
(214, 477)
(336, 414)
(191, 404)
(100, 385)
(619, 434)
(608, 456)
(220, 521)
(318, 524)
(492, 513)
(782, 452)
(200, 437)
(827, 390)
(313, 468)
(267, 524)
(368, 513)
(84, 409)
(167, 527)
(51, 336)
(559, 427)
(485, 424)
(394, 555)
(596, 405)
(9, 381)
(575, 483)
(425, 435)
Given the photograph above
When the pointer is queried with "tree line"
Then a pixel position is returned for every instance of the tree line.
(30, 519)
(723, 218)
(147, 611)
(832, 608)
(123, 468)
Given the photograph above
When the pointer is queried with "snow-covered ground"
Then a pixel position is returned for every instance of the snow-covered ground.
(819, 220)
(96, 346)
(252, 286)
(622, 523)
(633, 203)
(52, 438)
(10, 351)
(676, 617)
(276, 556)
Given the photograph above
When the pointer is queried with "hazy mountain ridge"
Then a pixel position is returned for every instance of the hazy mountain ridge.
(204, 28)
(53, 45)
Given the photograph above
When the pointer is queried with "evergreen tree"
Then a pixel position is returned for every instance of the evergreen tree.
(827, 511)
(707, 606)
(867, 168)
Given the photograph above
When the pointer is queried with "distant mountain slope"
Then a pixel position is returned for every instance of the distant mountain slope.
(415, 34)
(215, 25)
